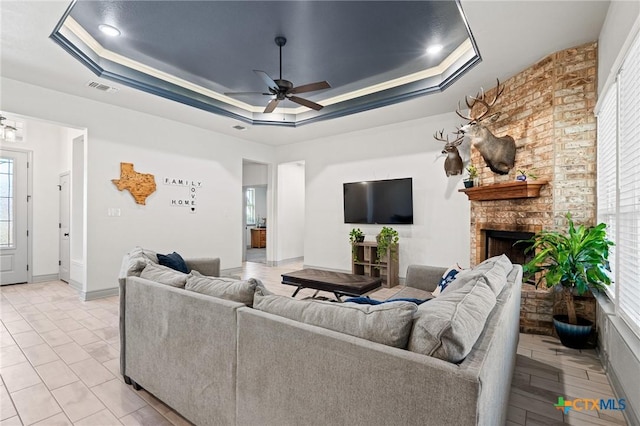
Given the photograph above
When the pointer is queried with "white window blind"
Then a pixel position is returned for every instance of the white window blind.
(607, 172)
(629, 189)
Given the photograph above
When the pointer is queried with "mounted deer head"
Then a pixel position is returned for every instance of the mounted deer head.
(498, 152)
(453, 162)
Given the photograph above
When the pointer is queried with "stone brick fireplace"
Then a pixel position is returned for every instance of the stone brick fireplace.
(548, 109)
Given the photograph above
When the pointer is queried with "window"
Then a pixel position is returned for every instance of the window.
(607, 171)
(250, 199)
(619, 183)
(7, 237)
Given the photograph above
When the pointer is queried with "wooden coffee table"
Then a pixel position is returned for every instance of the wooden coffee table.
(338, 283)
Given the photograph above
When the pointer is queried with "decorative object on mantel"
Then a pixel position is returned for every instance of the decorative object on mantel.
(140, 185)
(498, 152)
(453, 162)
(473, 176)
(523, 175)
(573, 262)
(505, 190)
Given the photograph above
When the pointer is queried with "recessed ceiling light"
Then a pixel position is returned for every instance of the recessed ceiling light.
(239, 127)
(109, 30)
(433, 49)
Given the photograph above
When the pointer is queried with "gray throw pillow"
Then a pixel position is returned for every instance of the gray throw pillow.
(389, 323)
(164, 275)
(494, 269)
(448, 326)
(224, 288)
(137, 259)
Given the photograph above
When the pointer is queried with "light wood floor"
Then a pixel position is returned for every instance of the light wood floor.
(59, 364)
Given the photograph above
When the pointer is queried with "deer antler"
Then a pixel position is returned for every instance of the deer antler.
(480, 98)
(439, 136)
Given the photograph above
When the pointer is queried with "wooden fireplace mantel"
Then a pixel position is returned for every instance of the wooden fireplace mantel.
(505, 190)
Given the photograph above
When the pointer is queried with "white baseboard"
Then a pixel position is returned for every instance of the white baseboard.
(77, 286)
(99, 294)
(44, 278)
(283, 261)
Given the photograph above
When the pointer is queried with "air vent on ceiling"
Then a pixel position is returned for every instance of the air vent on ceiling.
(101, 87)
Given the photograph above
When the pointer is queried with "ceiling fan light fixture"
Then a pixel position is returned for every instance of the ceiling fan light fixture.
(109, 30)
(434, 49)
(7, 132)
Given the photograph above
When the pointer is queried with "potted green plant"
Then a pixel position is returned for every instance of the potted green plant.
(355, 236)
(386, 239)
(523, 175)
(576, 262)
(473, 175)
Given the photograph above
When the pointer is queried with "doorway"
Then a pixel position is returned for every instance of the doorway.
(254, 211)
(14, 217)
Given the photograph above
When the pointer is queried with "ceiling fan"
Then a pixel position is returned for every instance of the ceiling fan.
(284, 89)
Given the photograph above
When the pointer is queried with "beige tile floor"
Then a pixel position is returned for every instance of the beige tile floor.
(59, 364)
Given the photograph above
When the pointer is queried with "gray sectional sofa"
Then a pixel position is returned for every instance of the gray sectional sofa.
(295, 362)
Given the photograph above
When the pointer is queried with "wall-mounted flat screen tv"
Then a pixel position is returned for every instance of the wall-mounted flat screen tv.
(379, 201)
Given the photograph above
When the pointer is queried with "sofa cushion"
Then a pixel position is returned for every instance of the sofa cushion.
(164, 275)
(413, 293)
(389, 323)
(173, 261)
(136, 260)
(494, 269)
(448, 326)
(224, 288)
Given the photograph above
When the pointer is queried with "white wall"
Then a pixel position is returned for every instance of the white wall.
(621, 18)
(254, 174)
(68, 134)
(291, 210)
(440, 233)
(158, 146)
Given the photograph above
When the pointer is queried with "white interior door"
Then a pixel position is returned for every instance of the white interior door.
(14, 253)
(65, 252)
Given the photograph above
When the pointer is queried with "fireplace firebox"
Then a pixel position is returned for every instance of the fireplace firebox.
(497, 242)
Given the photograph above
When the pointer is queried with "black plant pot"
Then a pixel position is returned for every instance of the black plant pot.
(468, 183)
(574, 336)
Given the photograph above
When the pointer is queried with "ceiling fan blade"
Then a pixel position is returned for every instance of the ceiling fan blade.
(268, 80)
(311, 87)
(246, 93)
(305, 102)
(271, 106)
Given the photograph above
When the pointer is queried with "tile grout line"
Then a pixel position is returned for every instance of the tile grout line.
(11, 398)
(50, 391)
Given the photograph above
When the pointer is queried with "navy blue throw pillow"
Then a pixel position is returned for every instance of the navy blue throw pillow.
(173, 261)
(367, 301)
